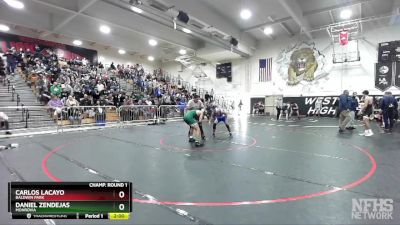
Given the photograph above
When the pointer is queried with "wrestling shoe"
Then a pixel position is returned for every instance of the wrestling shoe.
(369, 133)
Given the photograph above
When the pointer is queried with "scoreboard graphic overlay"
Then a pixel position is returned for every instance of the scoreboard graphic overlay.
(70, 200)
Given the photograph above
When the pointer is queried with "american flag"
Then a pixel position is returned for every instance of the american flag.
(265, 70)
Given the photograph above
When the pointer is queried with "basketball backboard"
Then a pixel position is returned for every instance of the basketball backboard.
(344, 38)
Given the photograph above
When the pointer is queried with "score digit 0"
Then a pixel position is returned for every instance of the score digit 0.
(121, 194)
(121, 207)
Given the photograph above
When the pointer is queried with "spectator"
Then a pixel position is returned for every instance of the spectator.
(318, 107)
(167, 99)
(388, 108)
(40, 85)
(86, 101)
(4, 122)
(88, 84)
(286, 109)
(207, 96)
(55, 105)
(182, 106)
(2, 69)
(56, 89)
(45, 97)
(261, 108)
(128, 101)
(278, 105)
(100, 87)
(112, 66)
(78, 90)
(255, 108)
(102, 100)
(295, 109)
(100, 114)
(109, 100)
(67, 90)
(148, 102)
(71, 101)
(11, 62)
(240, 105)
(158, 91)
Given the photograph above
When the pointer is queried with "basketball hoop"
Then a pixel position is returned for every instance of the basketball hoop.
(344, 38)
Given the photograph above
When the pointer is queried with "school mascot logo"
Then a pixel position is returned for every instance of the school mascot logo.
(301, 63)
(302, 66)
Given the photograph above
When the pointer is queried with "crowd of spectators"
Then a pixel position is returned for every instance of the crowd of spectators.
(61, 83)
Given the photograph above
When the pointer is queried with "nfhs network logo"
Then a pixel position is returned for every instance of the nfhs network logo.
(372, 209)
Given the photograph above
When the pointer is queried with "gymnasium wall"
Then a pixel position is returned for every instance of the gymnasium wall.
(355, 76)
(110, 54)
(221, 87)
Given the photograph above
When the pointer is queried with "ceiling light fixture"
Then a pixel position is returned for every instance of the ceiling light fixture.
(268, 31)
(77, 42)
(153, 42)
(245, 14)
(186, 30)
(105, 29)
(135, 2)
(182, 52)
(15, 4)
(150, 58)
(345, 14)
(136, 9)
(4, 27)
(121, 51)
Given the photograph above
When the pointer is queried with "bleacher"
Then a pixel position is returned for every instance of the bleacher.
(21, 98)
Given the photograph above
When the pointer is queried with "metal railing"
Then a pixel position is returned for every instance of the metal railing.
(12, 92)
(31, 117)
(166, 112)
(83, 116)
(138, 113)
(20, 117)
(25, 115)
(79, 116)
(18, 101)
(8, 85)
